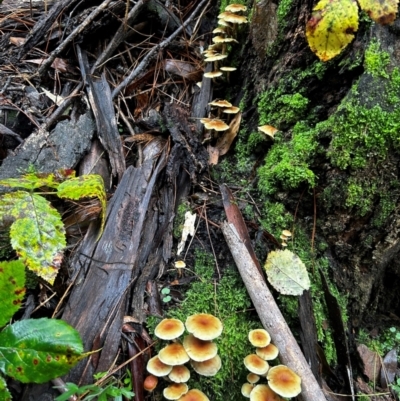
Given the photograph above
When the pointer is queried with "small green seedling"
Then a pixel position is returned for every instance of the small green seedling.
(166, 292)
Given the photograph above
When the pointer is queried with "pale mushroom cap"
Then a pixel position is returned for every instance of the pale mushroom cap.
(209, 367)
(268, 353)
(235, 19)
(179, 264)
(253, 378)
(150, 383)
(216, 57)
(247, 389)
(219, 29)
(228, 69)
(199, 350)
(220, 103)
(235, 8)
(194, 395)
(224, 23)
(205, 120)
(169, 329)
(218, 125)
(223, 15)
(259, 338)
(231, 110)
(284, 381)
(204, 326)
(212, 74)
(221, 39)
(179, 374)
(175, 390)
(268, 130)
(255, 364)
(286, 233)
(157, 368)
(173, 354)
(262, 392)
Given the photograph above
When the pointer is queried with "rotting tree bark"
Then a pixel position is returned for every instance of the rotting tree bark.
(271, 317)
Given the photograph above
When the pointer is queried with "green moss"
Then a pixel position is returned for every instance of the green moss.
(179, 220)
(227, 299)
(376, 61)
(287, 164)
(275, 218)
(361, 194)
(282, 13)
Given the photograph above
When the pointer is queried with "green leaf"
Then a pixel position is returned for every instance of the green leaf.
(31, 181)
(381, 11)
(37, 234)
(331, 27)
(12, 291)
(4, 393)
(86, 186)
(38, 350)
(287, 273)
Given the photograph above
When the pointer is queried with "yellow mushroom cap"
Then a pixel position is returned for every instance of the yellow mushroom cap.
(216, 124)
(262, 392)
(231, 110)
(220, 39)
(268, 130)
(157, 368)
(212, 74)
(194, 395)
(219, 29)
(252, 378)
(234, 18)
(209, 367)
(235, 8)
(284, 381)
(220, 103)
(179, 264)
(179, 374)
(204, 326)
(259, 338)
(228, 69)
(268, 353)
(247, 389)
(175, 391)
(150, 383)
(169, 329)
(215, 57)
(173, 354)
(255, 364)
(199, 350)
(286, 233)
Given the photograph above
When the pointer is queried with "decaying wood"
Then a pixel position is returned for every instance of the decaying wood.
(107, 271)
(271, 317)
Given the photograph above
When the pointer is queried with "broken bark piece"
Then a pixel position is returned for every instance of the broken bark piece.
(270, 315)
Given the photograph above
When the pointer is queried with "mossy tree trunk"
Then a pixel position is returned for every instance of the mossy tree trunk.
(334, 168)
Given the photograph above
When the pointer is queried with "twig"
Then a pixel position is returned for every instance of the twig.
(72, 36)
(6, 131)
(153, 52)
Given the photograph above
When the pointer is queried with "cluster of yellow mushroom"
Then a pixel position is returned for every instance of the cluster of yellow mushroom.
(197, 348)
(282, 381)
(285, 236)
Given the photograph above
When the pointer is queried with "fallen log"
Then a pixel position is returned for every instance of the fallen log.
(271, 317)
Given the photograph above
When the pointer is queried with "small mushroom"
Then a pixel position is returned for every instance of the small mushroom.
(231, 110)
(255, 364)
(204, 326)
(219, 29)
(220, 103)
(150, 383)
(235, 8)
(216, 124)
(194, 395)
(215, 57)
(259, 338)
(284, 381)
(286, 233)
(179, 374)
(268, 353)
(175, 391)
(220, 39)
(169, 329)
(209, 367)
(246, 389)
(234, 18)
(228, 69)
(212, 74)
(199, 350)
(262, 392)
(157, 368)
(268, 130)
(253, 378)
(173, 354)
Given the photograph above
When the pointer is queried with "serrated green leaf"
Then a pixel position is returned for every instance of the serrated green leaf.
(12, 291)
(287, 273)
(331, 27)
(383, 12)
(4, 393)
(31, 181)
(38, 350)
(85, 186)
(37, 234)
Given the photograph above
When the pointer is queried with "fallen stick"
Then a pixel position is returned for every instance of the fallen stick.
(271, 317)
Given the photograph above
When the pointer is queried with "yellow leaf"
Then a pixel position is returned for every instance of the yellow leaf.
(383, 12)
(331, 27)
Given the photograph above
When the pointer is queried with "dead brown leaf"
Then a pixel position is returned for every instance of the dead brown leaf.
(224, 143)
(213, 155)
